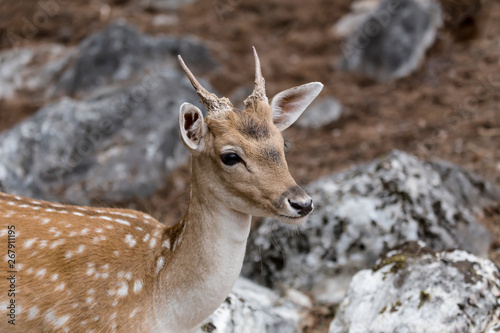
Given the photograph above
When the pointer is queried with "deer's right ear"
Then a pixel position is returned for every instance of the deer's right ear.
(192, 127)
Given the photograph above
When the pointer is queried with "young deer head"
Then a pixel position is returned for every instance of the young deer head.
(240, 153)
(76, 269)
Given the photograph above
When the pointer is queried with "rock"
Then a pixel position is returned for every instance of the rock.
(115, 145)
(120, 52)
(119, 139)
(166, 4)
(387, 39)
(252, 308)
(414, 289)
(472, 191)
(119, 55)
(360, 214)
(30, 70)
(320, 113)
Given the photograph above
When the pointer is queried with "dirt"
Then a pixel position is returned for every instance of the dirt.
(447, 109)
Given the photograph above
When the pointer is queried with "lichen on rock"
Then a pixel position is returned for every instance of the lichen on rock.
(446, 291)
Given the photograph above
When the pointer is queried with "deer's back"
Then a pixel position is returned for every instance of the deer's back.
(75, 268)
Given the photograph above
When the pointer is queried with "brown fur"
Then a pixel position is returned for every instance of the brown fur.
(55, 276)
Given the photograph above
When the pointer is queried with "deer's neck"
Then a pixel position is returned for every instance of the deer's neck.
(205, 258)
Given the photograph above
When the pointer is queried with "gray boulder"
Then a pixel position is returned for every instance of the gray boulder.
(166, 4)
(28, 72)
(388, 38)
(115, 145)
(252, 308)
(414, 289)
(117, 137)
(120, 53)
(360, 214)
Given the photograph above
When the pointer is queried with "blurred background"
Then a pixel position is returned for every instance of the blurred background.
(90, 90)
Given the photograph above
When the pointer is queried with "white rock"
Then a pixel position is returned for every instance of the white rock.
(362, 213)
(419, 291)
(252, 308)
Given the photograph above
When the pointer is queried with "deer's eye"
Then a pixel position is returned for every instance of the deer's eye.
(230, 159)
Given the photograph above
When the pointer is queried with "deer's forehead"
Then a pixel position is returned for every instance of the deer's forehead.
(253, 127)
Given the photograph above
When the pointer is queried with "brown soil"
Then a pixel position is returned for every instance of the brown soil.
(447, 109)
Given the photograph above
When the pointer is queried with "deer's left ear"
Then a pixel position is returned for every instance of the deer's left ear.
(288, 105)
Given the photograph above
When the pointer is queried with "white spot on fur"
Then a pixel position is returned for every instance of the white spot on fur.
(166, 243)
(128, 276)
(90, 271)
(32, 313)
(115, 302)
(130, 240)
(123, 290)
(73, 233)
(98, 230)
(54, 277)
(57, 243)
(68, 254)
(42, 244)
(132, 314)
(146, 237)
(116, 253)
(80, 249)
(137, 286)
(41, 272)
(77, 214)
(45, 220)
(84, 231)
(60, 287)
(29, 242)
(152, 243)
(122, 221)
(107, 218)
(159, 264)
(139, 228)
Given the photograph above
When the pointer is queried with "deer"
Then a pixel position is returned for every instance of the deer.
(88, 269)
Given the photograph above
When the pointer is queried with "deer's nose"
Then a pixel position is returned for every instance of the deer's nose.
(302, 207)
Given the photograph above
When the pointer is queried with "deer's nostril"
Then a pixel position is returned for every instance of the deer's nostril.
(302, 208)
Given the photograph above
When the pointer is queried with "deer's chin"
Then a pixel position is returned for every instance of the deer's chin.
(291, 219)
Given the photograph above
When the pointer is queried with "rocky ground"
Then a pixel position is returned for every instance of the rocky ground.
(447, 109)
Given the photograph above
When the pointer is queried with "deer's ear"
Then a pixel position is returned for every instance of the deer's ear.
(288, 105)
(192, 128)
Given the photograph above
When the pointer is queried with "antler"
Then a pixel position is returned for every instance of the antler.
(211, 101)
(259, 91)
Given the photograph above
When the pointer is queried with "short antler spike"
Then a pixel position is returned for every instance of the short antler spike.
(259, 91)
(200, 90)
(210, 100)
